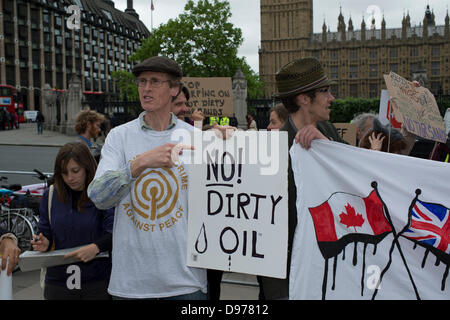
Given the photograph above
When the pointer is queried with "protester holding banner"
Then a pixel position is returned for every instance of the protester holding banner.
(278, 116)
(386, 138)
(304, 90)
(138, 175)
(9, 251)
(69, 219)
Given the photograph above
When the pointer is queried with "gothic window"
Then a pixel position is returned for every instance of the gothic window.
(353, 71)
(414, 52)
(393, 67)
(373, 70)
(334, 74)
(393, 52)
(334, 55)
(353, 90)
(435, 68)
(435, 51)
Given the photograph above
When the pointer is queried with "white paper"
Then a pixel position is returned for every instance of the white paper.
(5, 284)
(35, 260)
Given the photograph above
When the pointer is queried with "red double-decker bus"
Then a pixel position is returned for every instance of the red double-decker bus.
(8, 98)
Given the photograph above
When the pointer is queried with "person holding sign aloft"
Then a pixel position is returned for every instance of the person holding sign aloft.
(69, 219)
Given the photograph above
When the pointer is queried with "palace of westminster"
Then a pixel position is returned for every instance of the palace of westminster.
(356, 58)
(37, 47)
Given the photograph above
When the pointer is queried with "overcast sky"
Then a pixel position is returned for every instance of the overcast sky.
(246, 15)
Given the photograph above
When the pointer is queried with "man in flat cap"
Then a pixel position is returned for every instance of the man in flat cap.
(138, 177)
(304, 89)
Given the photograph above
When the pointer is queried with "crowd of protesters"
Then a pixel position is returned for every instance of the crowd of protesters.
(140, 260)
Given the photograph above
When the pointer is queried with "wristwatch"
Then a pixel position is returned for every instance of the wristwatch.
(9, 236)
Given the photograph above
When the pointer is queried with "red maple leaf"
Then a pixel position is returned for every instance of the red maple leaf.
(351, 218)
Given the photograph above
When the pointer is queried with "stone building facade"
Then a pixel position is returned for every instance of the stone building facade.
(355, 58)
(40, 43)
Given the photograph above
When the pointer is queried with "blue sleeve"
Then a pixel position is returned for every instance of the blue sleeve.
(44, 224)
(108, 219)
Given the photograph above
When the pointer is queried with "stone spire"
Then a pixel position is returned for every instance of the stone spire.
(363, 30)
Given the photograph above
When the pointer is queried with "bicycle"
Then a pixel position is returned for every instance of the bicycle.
(19, 209)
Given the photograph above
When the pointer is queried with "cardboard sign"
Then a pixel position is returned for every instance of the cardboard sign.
(214, 96)
(238, 215)
(416, 108)
(347, 131)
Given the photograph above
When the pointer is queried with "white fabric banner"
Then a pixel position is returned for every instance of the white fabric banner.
(371, 225)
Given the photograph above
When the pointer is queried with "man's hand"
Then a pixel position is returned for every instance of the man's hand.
(197, 115)
(9, 249)
(85, 254)
(223, 132)
(307, 134)
(159, 157)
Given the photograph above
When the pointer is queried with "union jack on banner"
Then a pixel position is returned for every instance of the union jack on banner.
(430, 227)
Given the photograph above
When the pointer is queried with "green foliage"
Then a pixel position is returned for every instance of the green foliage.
(344, 110)
(125, 81)
(203, 42)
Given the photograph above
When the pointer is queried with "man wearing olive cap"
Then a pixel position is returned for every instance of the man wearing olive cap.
(138, 177)
(304, 89)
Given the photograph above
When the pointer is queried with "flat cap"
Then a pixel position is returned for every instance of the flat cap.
(158, 64)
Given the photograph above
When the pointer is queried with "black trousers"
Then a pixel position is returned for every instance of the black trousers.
(89, 291)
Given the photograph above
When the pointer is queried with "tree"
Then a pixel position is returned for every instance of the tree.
(202, 41)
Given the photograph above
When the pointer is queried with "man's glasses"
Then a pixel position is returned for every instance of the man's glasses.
(324, 90)
(154, 83)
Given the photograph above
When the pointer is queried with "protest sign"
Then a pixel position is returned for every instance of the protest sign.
(374, 225)
(347, 131)
(416, 108)
(238, 215)
(213, 96)
(386, 112)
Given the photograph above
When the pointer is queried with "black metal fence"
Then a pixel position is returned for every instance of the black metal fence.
(119, 111)
(260, 109)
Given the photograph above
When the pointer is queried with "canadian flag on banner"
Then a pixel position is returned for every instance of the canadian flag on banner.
(346, 218)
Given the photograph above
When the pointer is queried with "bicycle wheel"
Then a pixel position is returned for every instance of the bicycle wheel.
(20, 227)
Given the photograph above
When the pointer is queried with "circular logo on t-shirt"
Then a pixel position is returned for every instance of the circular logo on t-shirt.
(155, 193)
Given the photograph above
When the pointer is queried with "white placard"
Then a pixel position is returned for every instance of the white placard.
(238, 215)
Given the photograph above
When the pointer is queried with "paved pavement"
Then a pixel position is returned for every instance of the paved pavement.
(235, 286)
(27, 135)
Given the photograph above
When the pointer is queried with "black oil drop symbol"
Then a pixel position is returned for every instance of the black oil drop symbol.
(201, 239)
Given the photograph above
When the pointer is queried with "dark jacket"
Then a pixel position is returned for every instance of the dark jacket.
(2, 231)
(70, 228)
(279, 288)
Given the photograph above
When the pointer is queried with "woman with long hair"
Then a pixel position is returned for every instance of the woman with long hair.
(74, 221)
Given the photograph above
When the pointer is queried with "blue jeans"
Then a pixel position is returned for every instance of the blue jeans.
(197, 295)
(40, 127)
